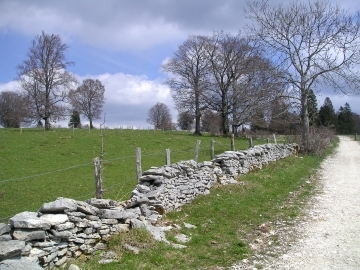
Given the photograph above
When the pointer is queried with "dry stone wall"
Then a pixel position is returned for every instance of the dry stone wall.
(68, 228)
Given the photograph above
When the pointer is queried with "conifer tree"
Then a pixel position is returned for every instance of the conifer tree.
(345, 121)
(327, 116)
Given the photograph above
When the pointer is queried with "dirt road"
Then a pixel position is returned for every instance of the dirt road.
(329, 236)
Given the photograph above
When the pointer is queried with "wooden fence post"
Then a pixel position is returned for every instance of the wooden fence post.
(138, 164)
(167, 159)
(355, 136)
(197, 149)
(232, 145)
(212, 149)
(98, 180)
(250, 142)
(274, 139)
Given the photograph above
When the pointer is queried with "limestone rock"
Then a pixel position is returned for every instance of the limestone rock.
(11, 249)
(86, 208)
(28, 235)
(154, 171)
(4, 228)
(64, 226)
(182, 238)
(121, 227)
(102, 203)
(74, 267)
(61, 234)
(158, 232)
(189, 226)
(116, 214)
(5, 237)
(136, 224)
(55, 219)
(19, 264)
(29, 220)
(178, 246)
(58, 206)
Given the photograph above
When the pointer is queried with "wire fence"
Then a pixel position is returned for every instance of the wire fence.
(120, 188)
(73, 181)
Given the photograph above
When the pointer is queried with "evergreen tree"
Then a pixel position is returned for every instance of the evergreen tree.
(75, 120)
(327, 116)
(345, 121)
(312, 108)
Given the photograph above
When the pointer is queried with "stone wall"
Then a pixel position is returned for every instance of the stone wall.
(68, 228)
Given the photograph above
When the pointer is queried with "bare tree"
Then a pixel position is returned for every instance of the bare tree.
(159, 116)
(88, 99)
(210, 122)
(14, 109)
(44, 77)
(231, 58)
(315, 41)
(259, 86)
(190, 69)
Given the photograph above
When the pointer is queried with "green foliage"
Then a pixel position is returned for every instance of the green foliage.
(312, 108)
(327, 115)
(75, 119)
(185, 120)
(345, 121)
(38, 167)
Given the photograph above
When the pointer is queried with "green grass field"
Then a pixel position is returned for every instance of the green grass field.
(37, 167)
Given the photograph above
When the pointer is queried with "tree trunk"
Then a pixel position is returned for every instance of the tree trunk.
(47, 123)
(305, 134)
(197, 112)
(47, 112)
(91, 124)
(224, 117)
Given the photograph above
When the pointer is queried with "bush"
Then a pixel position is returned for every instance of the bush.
(320, 139)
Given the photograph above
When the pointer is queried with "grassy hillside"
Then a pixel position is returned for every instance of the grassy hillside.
(37, 167)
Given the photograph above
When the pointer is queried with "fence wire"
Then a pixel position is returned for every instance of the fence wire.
(45, 173)
(204, 153)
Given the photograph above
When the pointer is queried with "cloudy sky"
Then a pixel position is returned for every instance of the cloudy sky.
(123, 44)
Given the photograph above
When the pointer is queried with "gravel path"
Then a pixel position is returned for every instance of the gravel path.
(329, 236)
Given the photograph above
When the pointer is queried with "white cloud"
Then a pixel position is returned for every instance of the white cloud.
(9, 86)
(132, 90)
(128, 98)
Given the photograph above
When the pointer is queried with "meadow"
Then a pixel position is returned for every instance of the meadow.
(38, 167)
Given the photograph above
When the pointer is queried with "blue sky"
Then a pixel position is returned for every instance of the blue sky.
(122, 43)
